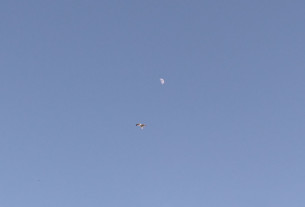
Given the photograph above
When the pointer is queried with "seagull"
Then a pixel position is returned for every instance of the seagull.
(141, 125)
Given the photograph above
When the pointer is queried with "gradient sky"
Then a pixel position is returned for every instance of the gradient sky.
(226, 128)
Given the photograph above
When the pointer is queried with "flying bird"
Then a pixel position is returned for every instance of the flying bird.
(162, 81)
(141, 125)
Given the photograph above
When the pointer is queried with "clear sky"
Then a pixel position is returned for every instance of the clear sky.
(226, 128)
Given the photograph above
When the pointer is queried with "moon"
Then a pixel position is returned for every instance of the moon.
(162, 81)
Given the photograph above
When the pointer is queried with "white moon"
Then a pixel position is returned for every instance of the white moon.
(162, 81)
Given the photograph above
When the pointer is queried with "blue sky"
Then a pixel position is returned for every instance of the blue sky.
(226, 128)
